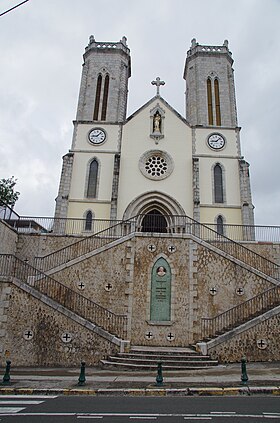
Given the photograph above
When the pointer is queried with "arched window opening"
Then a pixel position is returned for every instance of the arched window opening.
(88, 222)
(217, 102)
(92, 179)
(154, 221)
(218, 184)
(210, 102)
(105, 98)
(220, 225)
(97, 97)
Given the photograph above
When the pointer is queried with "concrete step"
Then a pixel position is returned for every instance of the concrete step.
(165, 361)
(130, 366)
(163, 357)
(147, 358)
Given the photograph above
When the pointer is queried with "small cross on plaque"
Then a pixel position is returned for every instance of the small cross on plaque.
(81, 285)
(149, 335)
(213, 291)
(66, 337)
(240, 291)
(158, 83)
(170, 336)
(151, 248)
(108, 287)
(28, 334)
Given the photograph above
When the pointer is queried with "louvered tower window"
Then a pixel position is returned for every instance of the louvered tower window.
(217, 102)
(97, 97)
(105, 98)
(209, 101)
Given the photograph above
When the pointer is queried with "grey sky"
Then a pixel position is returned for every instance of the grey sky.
(42, 43)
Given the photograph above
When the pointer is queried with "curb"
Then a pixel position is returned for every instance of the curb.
(159, 392)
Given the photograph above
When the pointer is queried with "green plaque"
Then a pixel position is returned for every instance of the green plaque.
(161, 291)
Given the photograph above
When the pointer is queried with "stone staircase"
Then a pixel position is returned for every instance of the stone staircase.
(146, 358)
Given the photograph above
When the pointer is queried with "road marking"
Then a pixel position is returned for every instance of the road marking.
(223, 412)
(197, 418)
(10, 410)
(20, 402)
(143, 418)
(28, 396)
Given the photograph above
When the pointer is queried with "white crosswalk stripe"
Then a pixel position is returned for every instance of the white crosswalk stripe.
(7, 401)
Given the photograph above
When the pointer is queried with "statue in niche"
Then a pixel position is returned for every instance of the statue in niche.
(157, 123)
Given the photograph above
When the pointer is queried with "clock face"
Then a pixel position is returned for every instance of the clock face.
(97, 136)
(216, 141)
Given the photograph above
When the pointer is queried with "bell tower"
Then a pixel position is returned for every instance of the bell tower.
(104, 82)
(210, 93)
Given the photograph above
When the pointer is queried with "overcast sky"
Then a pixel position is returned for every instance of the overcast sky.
(42, 43)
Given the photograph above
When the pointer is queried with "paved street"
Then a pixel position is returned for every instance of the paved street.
(69, 409)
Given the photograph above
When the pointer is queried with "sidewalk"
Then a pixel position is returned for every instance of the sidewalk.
(264, 378)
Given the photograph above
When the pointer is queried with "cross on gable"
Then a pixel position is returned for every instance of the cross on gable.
(158, 83)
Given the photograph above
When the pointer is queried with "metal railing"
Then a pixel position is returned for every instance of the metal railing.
(83, 246)
(179, 225)
(75, 226)
(235, 316)
(67, 297)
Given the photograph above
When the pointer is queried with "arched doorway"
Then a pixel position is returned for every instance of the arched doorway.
(154, 221)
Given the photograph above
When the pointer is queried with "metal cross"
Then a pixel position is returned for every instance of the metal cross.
(158, 83)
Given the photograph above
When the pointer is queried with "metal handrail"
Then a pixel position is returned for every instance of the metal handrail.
(235, 316)
(180, 225)
(116, 324)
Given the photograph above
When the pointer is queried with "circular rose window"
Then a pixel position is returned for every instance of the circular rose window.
(156, 164)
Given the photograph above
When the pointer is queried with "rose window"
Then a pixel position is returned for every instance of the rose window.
(156, 164)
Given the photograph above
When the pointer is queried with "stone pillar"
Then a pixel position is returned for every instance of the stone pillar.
(63, 194)
(196, 192)
(247, 208)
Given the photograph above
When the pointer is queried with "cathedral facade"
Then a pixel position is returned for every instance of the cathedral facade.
(164, 272)
(156, 162)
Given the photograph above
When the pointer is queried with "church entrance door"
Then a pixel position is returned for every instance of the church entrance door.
(154, 221)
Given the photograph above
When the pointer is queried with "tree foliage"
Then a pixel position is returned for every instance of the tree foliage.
(8, 194)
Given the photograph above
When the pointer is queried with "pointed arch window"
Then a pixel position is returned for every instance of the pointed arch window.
(92, 179)
(220, 225)
(210, 102)
(217, 102)
(88, 222)
(105, 98)
(218, 184)
(97, 97)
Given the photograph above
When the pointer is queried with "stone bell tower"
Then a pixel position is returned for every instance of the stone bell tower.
(210, 93)
(104, 82)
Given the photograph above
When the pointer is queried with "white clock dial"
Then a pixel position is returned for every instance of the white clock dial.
(97, 136)
(216, 141)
